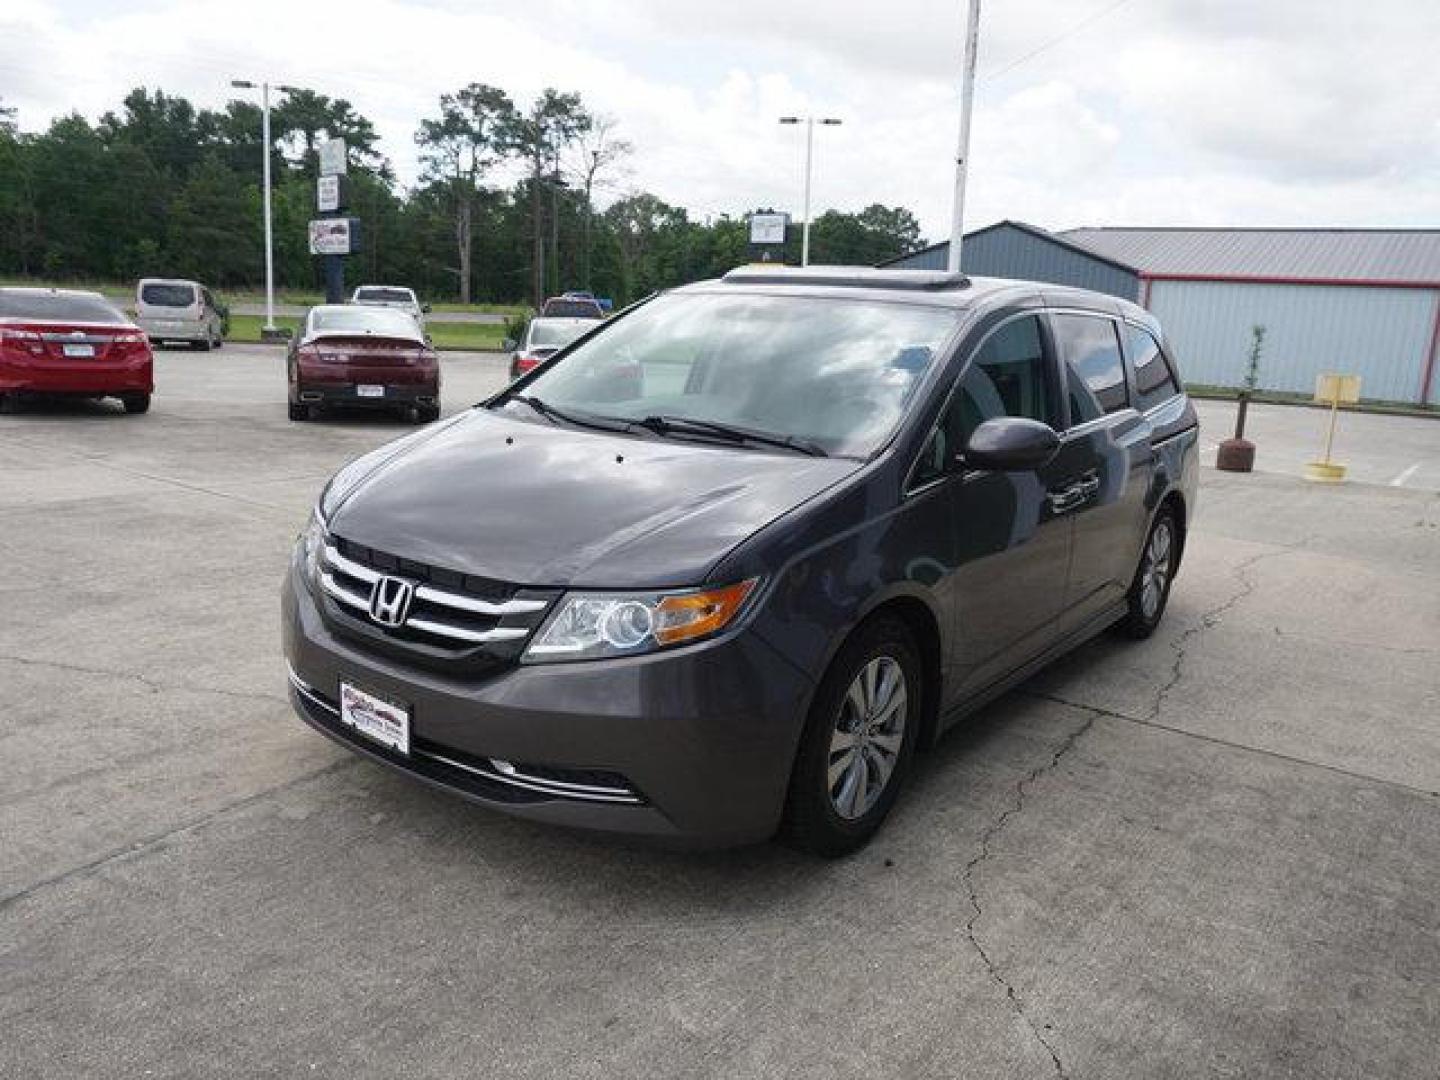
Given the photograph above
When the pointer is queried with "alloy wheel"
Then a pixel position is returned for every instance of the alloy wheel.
(1155, 571)
(867, 736)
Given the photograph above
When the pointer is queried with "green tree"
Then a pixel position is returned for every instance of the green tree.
(303, 119)
(457, 151)
(211, 227)
(539, 136)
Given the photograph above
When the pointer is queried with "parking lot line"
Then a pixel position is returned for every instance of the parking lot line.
(1404, 475)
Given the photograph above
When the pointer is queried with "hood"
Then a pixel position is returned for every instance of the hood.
(542, 505)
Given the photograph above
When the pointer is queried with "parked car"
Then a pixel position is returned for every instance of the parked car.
(362, 357)
(394, 296)
(68, 343)
(570, 306)
(843, 509)
(543, 338)
(173, 309)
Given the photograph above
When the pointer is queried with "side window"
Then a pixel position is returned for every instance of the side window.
(1095, 371)
(1007, 376)
(1154, 382)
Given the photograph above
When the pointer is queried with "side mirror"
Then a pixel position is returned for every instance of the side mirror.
(424, 309)
(509, 345)
(1010, 444)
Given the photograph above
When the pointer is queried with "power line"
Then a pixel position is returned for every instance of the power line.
(1051, 42)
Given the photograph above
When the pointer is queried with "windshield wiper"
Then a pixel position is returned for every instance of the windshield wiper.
(685, 425)
(551, 413)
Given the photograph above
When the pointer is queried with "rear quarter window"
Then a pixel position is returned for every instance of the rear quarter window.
(1154, 381)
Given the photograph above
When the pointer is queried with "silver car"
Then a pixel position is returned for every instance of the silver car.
(174, 309)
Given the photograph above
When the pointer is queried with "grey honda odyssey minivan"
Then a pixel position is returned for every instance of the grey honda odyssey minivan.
(719, 569)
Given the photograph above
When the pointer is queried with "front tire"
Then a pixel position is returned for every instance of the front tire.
(135, 403)
(858, 743)
(1150, 589)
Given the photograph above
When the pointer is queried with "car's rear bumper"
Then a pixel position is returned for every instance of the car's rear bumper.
(395, 395)
(175, 329)
(78, 378)
(704, 737)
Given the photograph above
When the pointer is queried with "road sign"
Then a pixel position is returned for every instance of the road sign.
(768, 228)
(332, 158)
(335, 236)
(329, 193)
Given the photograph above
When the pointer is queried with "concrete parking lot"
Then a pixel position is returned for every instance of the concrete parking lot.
(1215, 853)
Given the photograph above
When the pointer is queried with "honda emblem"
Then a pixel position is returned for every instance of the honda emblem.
(390, 600)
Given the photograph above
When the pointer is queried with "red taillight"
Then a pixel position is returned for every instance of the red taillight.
(525, 363)
(22, 341)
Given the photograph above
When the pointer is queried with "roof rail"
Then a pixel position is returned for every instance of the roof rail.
(856, 277)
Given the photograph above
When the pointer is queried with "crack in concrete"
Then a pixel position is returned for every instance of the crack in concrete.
(150, 843)
(1245, 748)
(153, 685)
(982, 854)
(1180, 644)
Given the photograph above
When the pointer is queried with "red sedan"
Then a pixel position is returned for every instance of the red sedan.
(62, 342)
(363, 357)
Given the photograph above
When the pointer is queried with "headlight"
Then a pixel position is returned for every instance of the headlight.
(589, 626)
(312, 546)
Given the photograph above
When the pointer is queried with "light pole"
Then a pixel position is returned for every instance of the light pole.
(809, 122)
(245, 84)
(962, 155)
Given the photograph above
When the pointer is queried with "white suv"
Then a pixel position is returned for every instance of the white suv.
(395, 296)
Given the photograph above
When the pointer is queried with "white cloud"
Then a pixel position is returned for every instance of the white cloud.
(1159, 111)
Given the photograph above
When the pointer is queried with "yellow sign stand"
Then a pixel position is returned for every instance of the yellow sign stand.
(1332, 390)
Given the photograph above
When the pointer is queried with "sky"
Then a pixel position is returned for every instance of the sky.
(1088, 112)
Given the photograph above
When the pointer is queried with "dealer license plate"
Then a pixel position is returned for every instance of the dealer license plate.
(383, 721)
(79, 350)
(370, 391)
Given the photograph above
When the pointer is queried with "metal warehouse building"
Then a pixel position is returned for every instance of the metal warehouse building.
(1351, 300)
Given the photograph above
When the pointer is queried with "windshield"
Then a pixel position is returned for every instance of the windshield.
(167, 295)
(58, 307)
(381, 322)
(385, 296)
(835, 373)
(552, 335)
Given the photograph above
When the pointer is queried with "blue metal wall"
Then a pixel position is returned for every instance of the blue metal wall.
(1381, 334)
(1008, 252)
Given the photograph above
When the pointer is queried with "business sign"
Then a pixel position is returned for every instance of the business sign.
(768, 228)
(1337, 389)
(332, 158)
(335, 236)
(329, 194)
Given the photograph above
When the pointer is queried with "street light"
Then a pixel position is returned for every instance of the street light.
(246, 84)
(809, 122)
(962, 154)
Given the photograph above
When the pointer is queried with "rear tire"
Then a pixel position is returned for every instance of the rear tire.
(299, 412)
(858, 743)
(9, 404)
(1150, 589)
(427, 414)
(135, 403)
(203, 346)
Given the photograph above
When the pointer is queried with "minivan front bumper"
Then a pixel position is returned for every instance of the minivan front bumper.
(702, 737)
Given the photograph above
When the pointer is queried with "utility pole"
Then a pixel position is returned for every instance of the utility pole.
(962, 155)
(810, 123)
(245, 84)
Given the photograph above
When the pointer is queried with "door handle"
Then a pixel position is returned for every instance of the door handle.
(1074, 495)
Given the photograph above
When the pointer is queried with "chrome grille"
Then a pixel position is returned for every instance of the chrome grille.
(439, 619)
